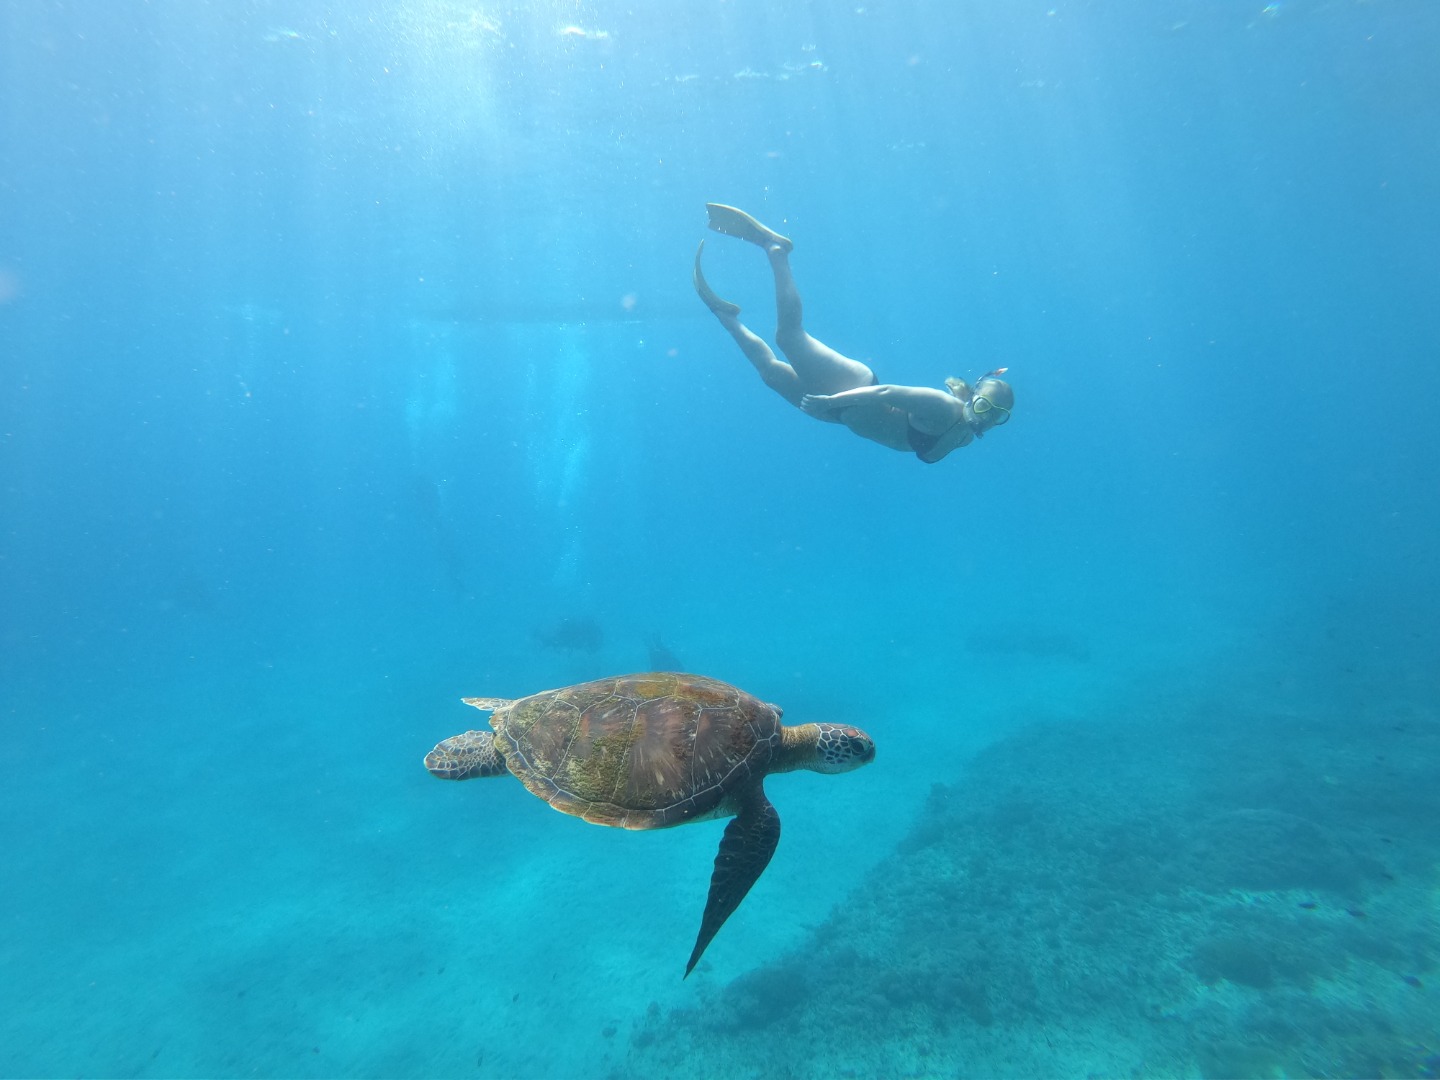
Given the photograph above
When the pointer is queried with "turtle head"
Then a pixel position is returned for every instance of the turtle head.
(840, 748)
(465, 757)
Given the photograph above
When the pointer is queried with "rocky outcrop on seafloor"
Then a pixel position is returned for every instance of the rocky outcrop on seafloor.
(1210, 894)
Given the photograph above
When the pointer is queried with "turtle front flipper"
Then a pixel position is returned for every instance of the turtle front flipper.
(745, 851)
(467, 756)
(486, 704)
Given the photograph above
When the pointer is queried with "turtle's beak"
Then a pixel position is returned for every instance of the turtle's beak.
(444, 762)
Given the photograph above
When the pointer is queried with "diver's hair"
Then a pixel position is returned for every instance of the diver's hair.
(959, 388)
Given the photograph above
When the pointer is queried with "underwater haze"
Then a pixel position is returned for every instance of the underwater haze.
(350, 364)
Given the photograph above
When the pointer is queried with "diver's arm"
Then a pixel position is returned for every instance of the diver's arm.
(928, 408)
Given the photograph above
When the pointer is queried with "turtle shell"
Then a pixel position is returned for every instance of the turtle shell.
(638, 751)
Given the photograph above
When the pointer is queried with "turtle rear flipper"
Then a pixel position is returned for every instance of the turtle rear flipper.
(745, 851)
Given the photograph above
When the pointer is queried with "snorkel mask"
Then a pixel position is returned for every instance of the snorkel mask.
(992, 398)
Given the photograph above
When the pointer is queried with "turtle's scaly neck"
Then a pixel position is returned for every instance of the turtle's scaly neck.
(797, 748)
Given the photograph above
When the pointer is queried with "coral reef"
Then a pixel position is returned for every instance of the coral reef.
(1192, 896)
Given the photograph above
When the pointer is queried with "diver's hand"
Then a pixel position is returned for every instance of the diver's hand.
(816, 404)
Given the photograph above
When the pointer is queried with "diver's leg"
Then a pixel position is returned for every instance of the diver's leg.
(777, 374)
(820, 368)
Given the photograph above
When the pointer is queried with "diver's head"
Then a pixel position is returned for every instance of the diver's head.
(992, 400)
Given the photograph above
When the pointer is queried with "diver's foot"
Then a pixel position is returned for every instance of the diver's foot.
(707, 294)
(737, 223)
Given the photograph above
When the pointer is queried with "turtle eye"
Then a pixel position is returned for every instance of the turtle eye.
(843, 747)
(859, 746)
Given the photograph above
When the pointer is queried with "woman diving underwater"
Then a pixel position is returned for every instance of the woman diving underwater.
(829, 386)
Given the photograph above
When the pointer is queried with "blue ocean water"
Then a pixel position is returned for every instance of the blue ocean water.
(350, 364)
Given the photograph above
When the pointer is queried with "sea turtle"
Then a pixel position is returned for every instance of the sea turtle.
(654, 750)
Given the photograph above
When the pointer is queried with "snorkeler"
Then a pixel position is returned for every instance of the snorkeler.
(837, 389)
